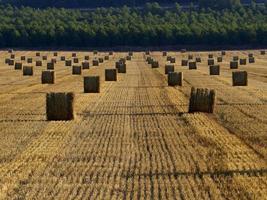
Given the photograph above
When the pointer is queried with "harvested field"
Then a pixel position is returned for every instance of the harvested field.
(135, 139)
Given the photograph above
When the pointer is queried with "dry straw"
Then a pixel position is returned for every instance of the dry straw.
(184, 62)
(202, 100)
(122, 67)
(27, 71)
(111, 75)
(91, 84)
(95, 62)
(219, 59)
(164, 53)
(75, 60)
(85, 65)
(198, 59)
(233, 65)
(169, 68)
(192, 65)
(210, 61)
(50, 66)
(215, 70)
(48, 77)
(243, 61)
(251, 60)
(175, 78)
(60, 106)
(29, 60)
(86, 57)
(68, 63)
(240, 78)
(62, 58)
(155, 64)
(38, 63)
(11, 62)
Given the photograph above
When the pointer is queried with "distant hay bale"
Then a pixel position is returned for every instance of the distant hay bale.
(62, 58)
(210, 61)
(202, 100)
(55, 54)
(68, 63)
(12, 56)
(155, 64)
(169, 58)
(44, 57)
(123, 60)
(173, 60)
(75, 60)
(7, 60)
(210, 56)
(38, 63)
(122, 67)
(184, 62)
(235, 58)
(95, 52)
(38, 54)
(60, 106)
(130, 53)
(192, 65)
(54, 60)
(110, 53)
(164, 53)
(215, 70)
(76, 70)
(48, 77)
(175, 78)
(10, 51)
(73, 55)
(128, 58)
(29, 60)
(91, 84)
(243, 61)
(95, 62)
(147, 53)
(149, 60)
(240, 78)
(183, 50)
(198, 59)
(18, 66)
(101, 60)
(110, 74)
(27, 71)
(85, 65)
(169, 68)
(190, 57)
(23, 58)
(223, 53)
(251, 60)
(263, 52)
(86, 57)
(219, 59)
(11, 62)
(250, 55)
(233, 65)
(50, 66)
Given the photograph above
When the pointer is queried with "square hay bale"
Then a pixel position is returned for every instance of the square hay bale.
(175, 78)
(10, 50)
(50, 66)
(48, 77)
(223, 53)
(243, 61)
(11, 62)
(12, 56)
(147, 53)
(62, 58)
(183, 50)
(54, 60)
(18, 66)
(164, 53)
(27, 71)
(155, 64)
(60, 106)
(75, 60)
(76, 70)
(101, 60)
(7, 60)
(128, 58)
(198, 59)
(122, 68)
(85, 65)
(202, 100)
(106, 57)
(38, 63)
(251, 59)
(250, 55)
(91, 84)
(86, 57)
(169, 68)
(23, 58)
(95, 52)
(130, 53)
(219, 59)
(192, 65)
(110, 74)
(149, 60)
(55, 54)
(68, 63)
(235, 58)
(73, 55)
(38, 54)
(210, 56)
(190, 57)
(263, 52)
(215, 70)
(173, 60)
(44, 57)
(123, 60)
(240, 78)
(110, 53)
(233, 65)
(169, 58)
(211, 61)
(95, 62)
(184, 62)
(29, 60)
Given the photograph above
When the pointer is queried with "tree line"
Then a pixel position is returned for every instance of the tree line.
(152, 26)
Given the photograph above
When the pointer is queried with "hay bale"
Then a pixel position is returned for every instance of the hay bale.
(18, 66)
(219, 59)
(75, 60)
(251, 60)
(184, 62)
(235, 58)
(250, 55)
(54, 60)
(169, 68)
(95, 52)
(86, 57)
(48, 77)
(91, 84)
(50, 66)
(55, 54)
(190, 57)
(27, 71)
(175, 78)
(210, 56)
(11, 62)
(147, 53)
(240, 78)
(111, 53)
(149, 60)
(223, 53)
(7, 60)
(29, 60)
(38, 54)
(12, 56)
(76, 70)
(173, 60)
(44, 57)
(169, 58)
(60, 106)
(73, 55)
(85, 65)
(215, 70)
(155, 64)
(128, 58)
(123, 60)
(243, 61)
(198, 59)
(121, 68)
(211, 61)
(233, 65)
(62, 58)
(183, 50)
(38, 63)
(130, 53)
(10, 50)
(164, 53)
(23, 58)
(111, 75)
(101, 60)
(192, 65)
(95, 62)
(68, 63)
(202, 100)
(263, 52)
